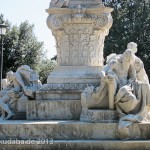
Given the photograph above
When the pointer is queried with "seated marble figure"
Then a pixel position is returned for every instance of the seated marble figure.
(23, 83)
(125, 82)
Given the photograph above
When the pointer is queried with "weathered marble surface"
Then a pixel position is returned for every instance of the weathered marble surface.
(80, 31)
(99, 116)
(74, 75)
(84, 145)
(69, 130)
(59, 3)
(58, 95)
(86, 3)
(80, 37)
(53, 110)
(21, 86)
(125, 82)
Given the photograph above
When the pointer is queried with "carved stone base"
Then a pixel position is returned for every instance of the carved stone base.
(74, 75)
(54, 110)
(71, 135)
(58, 95)
(99, 116)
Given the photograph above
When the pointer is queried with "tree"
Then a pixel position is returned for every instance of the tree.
(131, 24)
(22, 47)
(45, 68)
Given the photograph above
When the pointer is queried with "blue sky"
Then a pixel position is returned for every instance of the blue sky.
(17, 11)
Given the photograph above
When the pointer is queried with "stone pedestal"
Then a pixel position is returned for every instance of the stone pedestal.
(80, 32)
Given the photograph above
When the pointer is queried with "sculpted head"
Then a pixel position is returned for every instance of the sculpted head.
(128, 56)
(9, 76)
(132, 46)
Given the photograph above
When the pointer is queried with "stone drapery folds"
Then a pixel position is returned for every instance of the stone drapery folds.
(125, 85)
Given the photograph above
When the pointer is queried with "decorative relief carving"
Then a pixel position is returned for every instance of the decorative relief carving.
(79, 12)
(82, 40)
(58, 21)
(103, 20)
(101, 116)
(54, 21)
(85, 2)
(80, 46)
(58, 36)
(69, 86)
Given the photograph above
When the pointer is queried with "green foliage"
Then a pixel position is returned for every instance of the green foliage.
(131, 24)
(45, 68)
(22, 47)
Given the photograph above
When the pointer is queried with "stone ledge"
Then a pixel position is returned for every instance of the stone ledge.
(68, 130)
(65, 87)
(58, 95)
(83, 145)
(54, 110)
(88, 10)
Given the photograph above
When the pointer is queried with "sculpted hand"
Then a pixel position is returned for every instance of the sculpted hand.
(102, 75)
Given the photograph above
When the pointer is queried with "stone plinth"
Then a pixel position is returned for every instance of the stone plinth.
(79, 75)
(54, 110)
(79, 30)
(100, 116)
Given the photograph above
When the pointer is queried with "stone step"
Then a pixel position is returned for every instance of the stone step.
(59, 95)
(68, 130)
(79, 145)
(53, 110)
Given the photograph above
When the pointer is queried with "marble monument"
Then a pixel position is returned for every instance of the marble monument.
(85, 104)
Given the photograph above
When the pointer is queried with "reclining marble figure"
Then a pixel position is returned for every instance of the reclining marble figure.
(24, 82)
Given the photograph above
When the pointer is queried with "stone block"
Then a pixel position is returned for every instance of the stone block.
(54, 110)
(74, 75)
(101, 116)
(58, 95)
(21, 104)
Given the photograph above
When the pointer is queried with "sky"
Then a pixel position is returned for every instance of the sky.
(17, 11)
